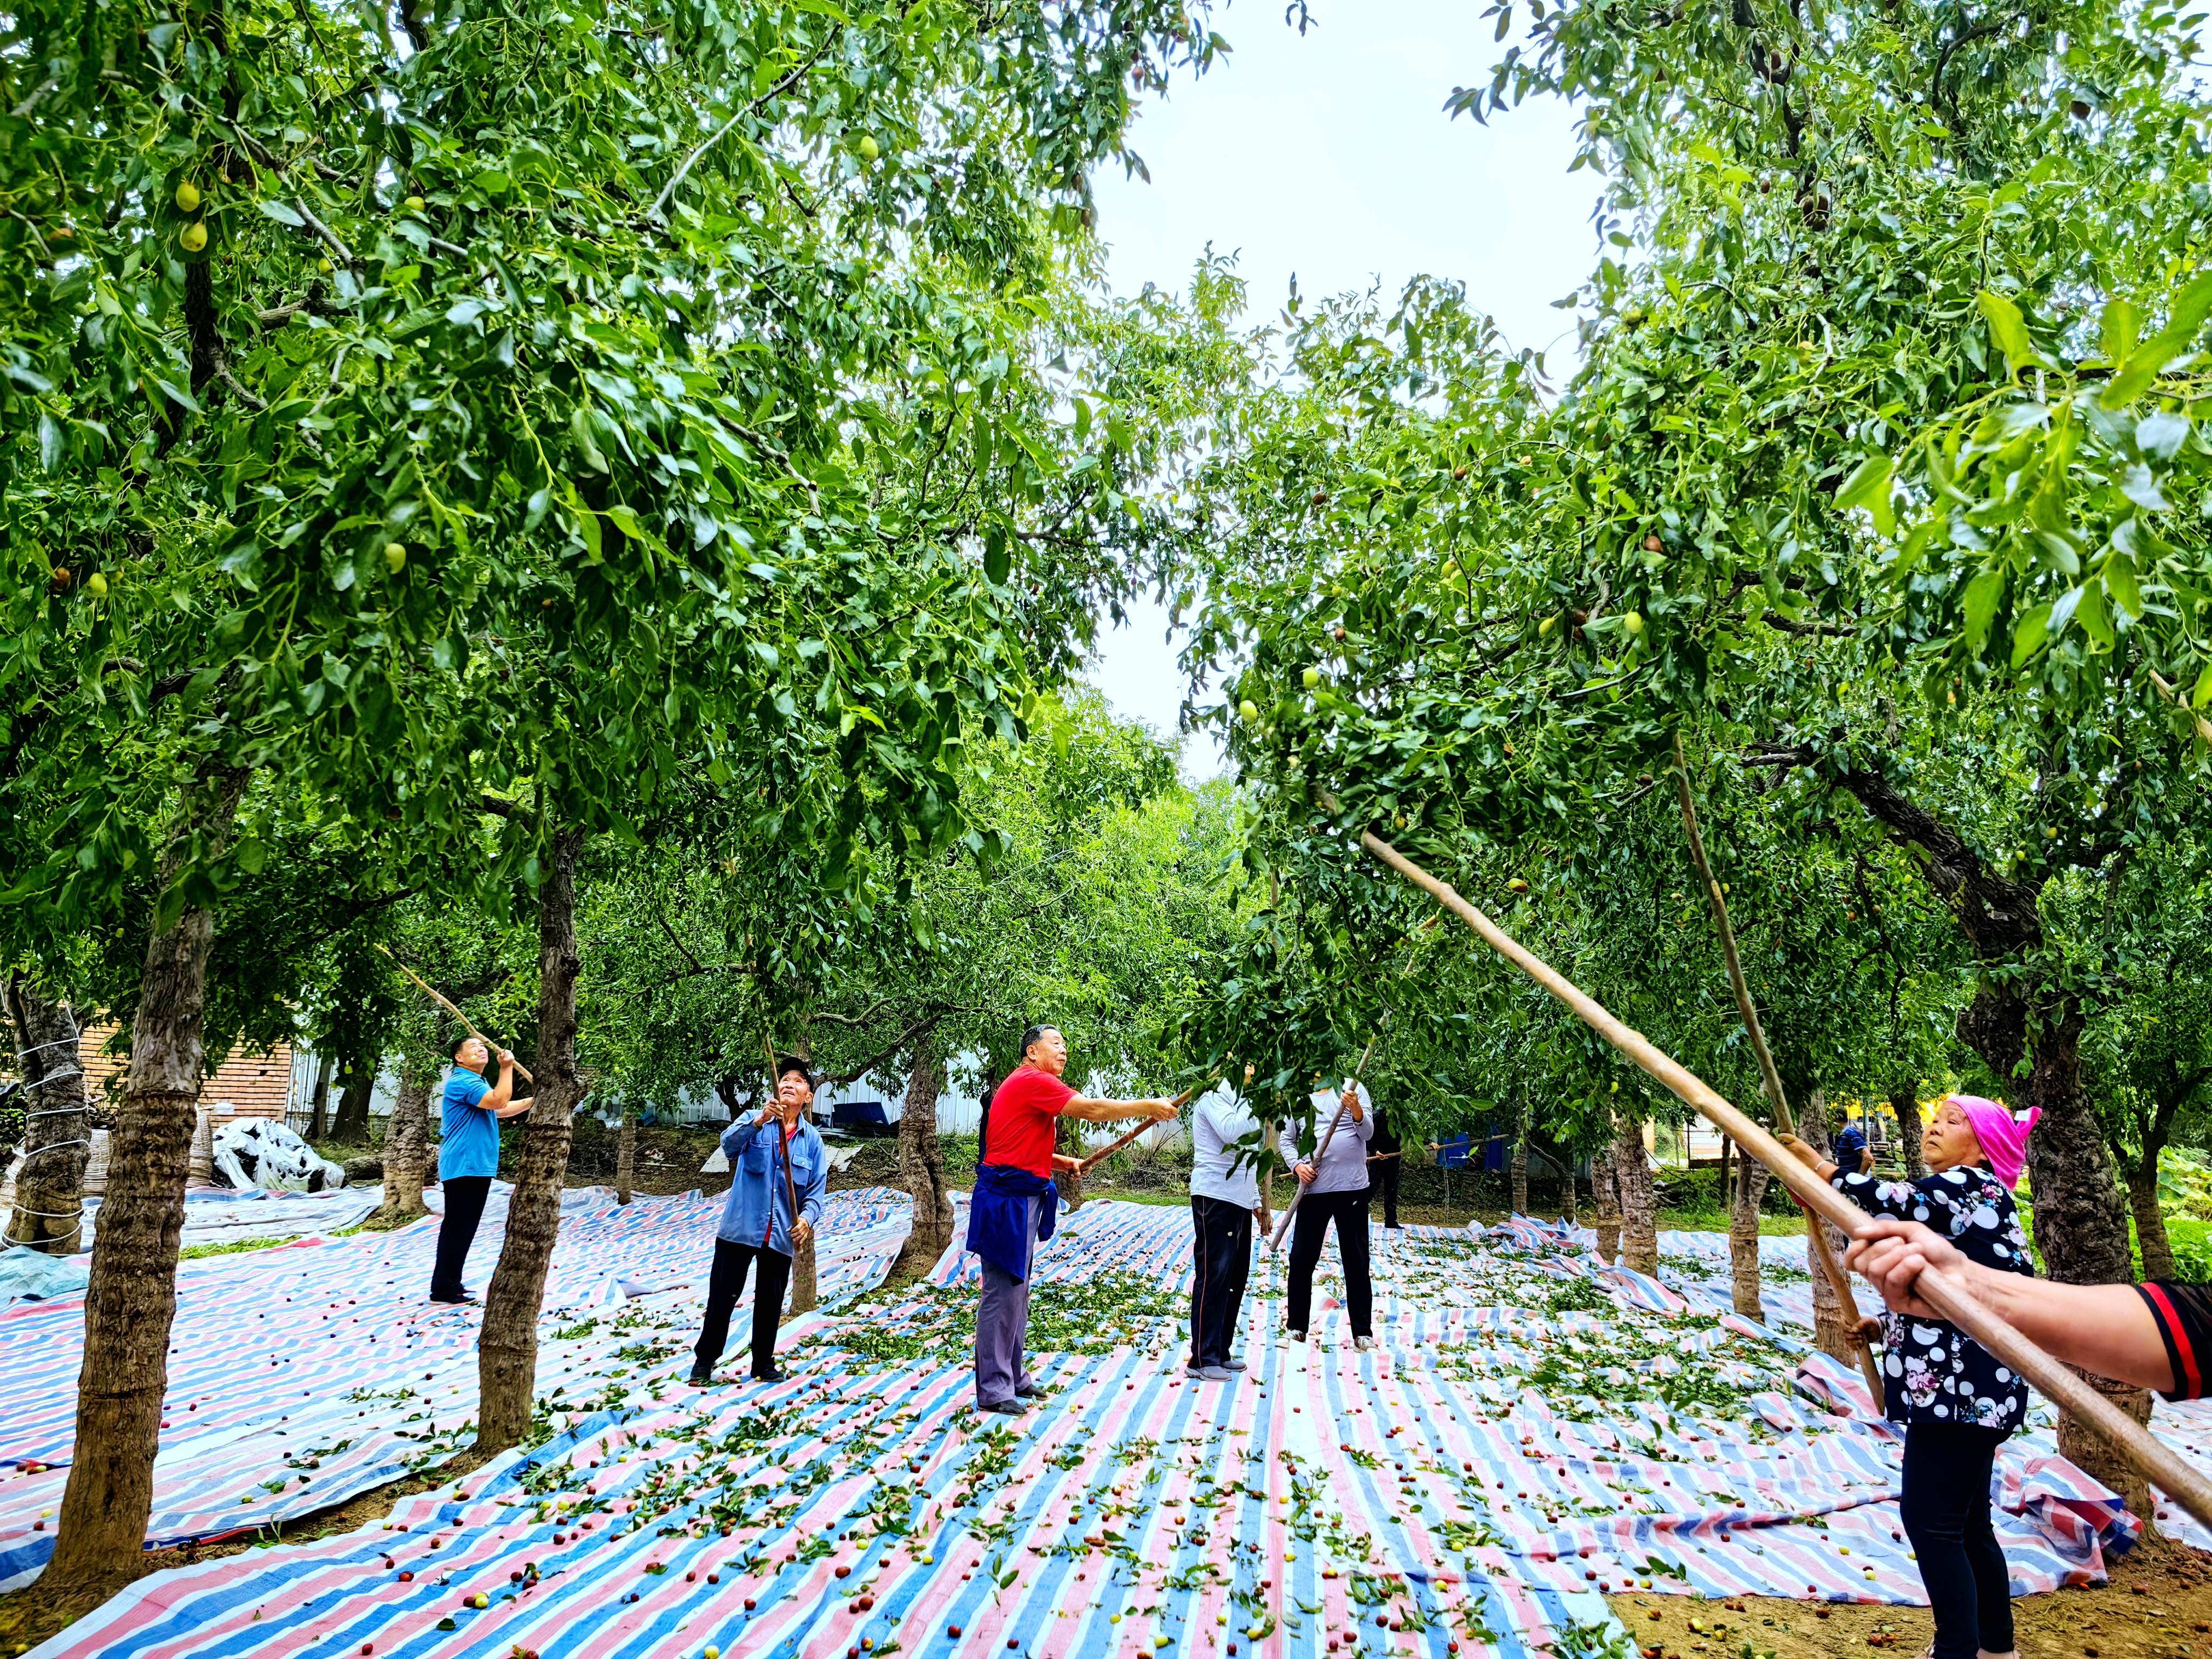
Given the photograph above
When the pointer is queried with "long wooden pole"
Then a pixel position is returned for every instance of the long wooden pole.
(775, 1087)
(1769, 1073)
(1282, 1226)
(437, 998)
(1947, 1295)
(1119, 1141)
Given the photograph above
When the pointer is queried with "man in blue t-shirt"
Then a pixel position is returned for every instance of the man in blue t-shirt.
(1852, 1152)
(468, 1156)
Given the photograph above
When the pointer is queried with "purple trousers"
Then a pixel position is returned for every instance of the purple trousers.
(1002, 1320)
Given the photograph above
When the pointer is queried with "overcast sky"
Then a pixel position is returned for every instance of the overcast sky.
(1329, 156)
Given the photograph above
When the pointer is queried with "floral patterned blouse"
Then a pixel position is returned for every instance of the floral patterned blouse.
(1936, 1372)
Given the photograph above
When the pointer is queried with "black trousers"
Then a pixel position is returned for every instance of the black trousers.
(1946, 1505)
(1309, 1227)
(1223, 1248)
(465, 1207)
(1383, 1183)
(723, 1286)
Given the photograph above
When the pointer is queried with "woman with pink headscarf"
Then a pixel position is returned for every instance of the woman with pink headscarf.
(1957, 1401)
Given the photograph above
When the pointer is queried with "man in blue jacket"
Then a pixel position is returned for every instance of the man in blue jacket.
(774, 1159)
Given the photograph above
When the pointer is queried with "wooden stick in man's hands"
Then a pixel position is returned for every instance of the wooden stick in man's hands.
(1119, 1141)
(440, 1001)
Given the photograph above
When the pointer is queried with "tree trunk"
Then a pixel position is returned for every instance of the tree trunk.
(1905, 1102)
(1520, 1204)
(318, 1112)
(351, 1128)
(1605, 1199)
(1829, 1334)
(407, 1146)
(1570, 1194)
(1639, 1208)
(131, 1301)
(921, 1166)
(626, 1155)
(1749, 1192)
(506, 1350)
(2150, 1220)
(1067, 1138)
(57, 1129)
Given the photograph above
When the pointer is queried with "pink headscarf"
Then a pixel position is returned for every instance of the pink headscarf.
(2002, 1136)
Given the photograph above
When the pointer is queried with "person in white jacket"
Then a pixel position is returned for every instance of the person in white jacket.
(1332, 1188)
(1224, 1198)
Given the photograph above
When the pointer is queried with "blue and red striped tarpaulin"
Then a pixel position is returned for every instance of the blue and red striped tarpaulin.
(1534, 1429)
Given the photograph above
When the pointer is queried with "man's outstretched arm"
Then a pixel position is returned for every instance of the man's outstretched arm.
(2105, 1328)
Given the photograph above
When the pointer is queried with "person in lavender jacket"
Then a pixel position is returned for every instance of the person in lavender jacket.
(1332, 1188)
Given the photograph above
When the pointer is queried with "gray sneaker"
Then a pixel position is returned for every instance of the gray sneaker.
(1232, 1365)
(1216, 1374)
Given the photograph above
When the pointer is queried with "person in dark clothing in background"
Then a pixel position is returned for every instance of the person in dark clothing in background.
(1385, 1158)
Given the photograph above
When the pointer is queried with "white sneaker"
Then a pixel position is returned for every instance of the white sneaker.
(1363, 1343)
(1297, 1336)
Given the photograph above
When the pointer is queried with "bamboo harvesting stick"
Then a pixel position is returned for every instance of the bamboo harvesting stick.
(435, 997)
(790, 1186)
(1769, 1073)
(1119, 1141)
(1940, 1290)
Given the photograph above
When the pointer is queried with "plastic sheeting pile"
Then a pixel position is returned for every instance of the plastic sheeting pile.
(1533, 1429)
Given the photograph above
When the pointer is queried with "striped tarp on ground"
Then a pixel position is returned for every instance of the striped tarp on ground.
(1699, 1261)
(1531, 1431)
(304, 1373)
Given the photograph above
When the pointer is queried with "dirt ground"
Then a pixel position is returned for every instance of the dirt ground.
(2157, 1605)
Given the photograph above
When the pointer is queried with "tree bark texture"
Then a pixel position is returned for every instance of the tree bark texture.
(2150, 1220)
(626, 1155)
(1067, 1138)
(131, 1301)
(1745, 1195)
(318, 1105)
(58, 1130)
(1605, 1199)
(1570, 1193)
(1904, 1102)
(1639, 1202)
(506, 1348)
(1829, 1334)
(921, 1166)
(407, 1146)
(351, 1127)
(2096, 1456)
(1520, 1205)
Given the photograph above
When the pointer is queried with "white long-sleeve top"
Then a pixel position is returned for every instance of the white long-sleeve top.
(1343, 1168)
(1224, 1148)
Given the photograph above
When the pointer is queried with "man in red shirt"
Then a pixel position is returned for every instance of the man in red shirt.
(1016, 1205)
